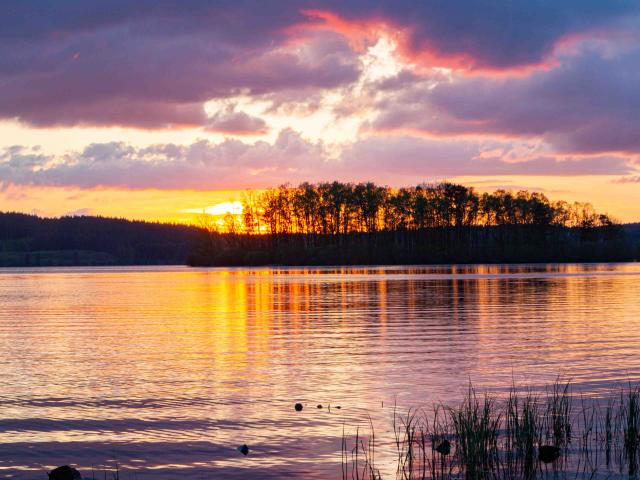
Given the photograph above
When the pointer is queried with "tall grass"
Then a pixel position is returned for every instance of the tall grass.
(557, 419)
(522, 430)
(630, 424)
(505, 438)
(476, 423)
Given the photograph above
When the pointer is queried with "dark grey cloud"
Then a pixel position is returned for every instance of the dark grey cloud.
(134, 75)
(489, 33)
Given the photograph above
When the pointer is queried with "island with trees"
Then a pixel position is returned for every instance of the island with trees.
(335, 223)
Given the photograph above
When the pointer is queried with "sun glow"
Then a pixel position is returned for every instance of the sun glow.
(223, 208)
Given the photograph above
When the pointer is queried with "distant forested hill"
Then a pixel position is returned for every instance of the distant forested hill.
(28, 240)
(633, 232)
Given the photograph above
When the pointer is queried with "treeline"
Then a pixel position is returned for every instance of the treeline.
(345, 223)
(342, 208)
(28, 240)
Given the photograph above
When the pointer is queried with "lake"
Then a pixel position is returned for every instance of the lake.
(167, 370)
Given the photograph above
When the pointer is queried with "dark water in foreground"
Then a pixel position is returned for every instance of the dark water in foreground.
(167, 370)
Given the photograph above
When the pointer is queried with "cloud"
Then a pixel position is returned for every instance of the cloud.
(415, 156)
(629, 179)
(202, 165)
(478, 34)
(234, 164)
(229, 120)
(536, 88)
(588, 104)
(81, 212)
(153, 63)
(150, 70)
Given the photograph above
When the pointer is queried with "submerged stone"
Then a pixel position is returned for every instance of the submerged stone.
(298, 407)
(64, 473)
(444, 447)
(319, 406)
(548, 453)
(244, 449)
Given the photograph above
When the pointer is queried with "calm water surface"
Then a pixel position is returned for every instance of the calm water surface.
(167, 370)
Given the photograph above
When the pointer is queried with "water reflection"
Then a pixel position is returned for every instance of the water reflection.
(170, 369)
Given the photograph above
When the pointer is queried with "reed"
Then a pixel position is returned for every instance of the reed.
(557, 420)
(522, 430)
(476, 423)
(630, 426)
(502, 438)
(631, 417)
(609, 424)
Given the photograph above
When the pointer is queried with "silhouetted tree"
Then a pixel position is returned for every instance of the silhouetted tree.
(335, 208)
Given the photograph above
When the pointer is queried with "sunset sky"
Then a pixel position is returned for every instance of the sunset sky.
(156, 109)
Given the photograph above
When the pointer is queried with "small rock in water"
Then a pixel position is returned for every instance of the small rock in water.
(244, 449)
(298, 407)
(319, 406)
(338, 407)
(444, 447)
(548, 453)
(64, 473)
